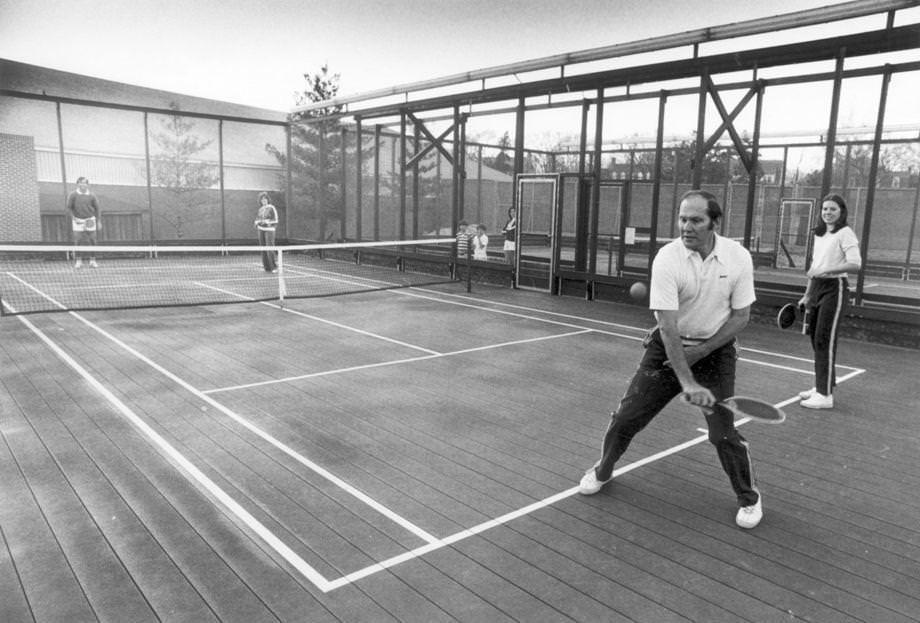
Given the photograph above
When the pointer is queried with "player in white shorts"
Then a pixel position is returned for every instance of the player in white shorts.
(84, 212)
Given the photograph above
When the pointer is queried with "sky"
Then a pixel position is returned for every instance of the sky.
(256, 52)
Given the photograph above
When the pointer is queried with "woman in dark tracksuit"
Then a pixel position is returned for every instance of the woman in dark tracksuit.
(836, 252)
(266, 220)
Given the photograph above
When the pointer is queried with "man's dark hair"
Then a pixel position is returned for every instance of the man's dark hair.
(713, 209)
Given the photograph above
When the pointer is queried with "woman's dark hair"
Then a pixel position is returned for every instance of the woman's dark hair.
(821, 228)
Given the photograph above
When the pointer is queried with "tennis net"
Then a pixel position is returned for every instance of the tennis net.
(47, 278)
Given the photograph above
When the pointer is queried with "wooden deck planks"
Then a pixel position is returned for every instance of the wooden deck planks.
(180, 573)
(448, 443)
(778, 559)
(46, 575)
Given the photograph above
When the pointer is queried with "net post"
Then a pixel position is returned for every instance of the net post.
(469, 265)
(281, 288)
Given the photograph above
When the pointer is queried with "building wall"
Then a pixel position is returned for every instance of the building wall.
(19, 203)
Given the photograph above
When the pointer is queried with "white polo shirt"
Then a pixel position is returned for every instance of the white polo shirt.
(835, 248)
(704, 292)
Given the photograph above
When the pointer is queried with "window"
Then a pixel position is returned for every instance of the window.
(55, 228)
(128, 226)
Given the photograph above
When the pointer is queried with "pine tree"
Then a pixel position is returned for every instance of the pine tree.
(316, 153)
(184, 179)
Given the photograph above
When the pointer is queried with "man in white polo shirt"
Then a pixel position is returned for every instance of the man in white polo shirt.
(701, 293)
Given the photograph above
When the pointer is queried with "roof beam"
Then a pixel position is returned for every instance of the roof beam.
(809, 17)
(860, 44)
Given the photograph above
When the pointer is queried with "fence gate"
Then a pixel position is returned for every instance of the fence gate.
(793, 232)
(538, 199)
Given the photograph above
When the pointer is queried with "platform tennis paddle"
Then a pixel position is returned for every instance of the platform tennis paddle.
(754, 408)
(786, 316)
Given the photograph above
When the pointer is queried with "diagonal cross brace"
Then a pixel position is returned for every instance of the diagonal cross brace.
(435, 142)
(728, 122)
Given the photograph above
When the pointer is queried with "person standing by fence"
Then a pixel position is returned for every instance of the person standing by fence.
(463, 239)
(266, 220)
(480, 244)
(510, 232)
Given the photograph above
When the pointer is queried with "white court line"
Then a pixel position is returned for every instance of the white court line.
(580, 329)
(184, 465)
(526, 510)
(602, 332)
(321, 471)
(795, 358)
(410, 291)
(791, 369)
(308, 571)
(591, 320)
(775, 365)
(440, 543)
(503, 519)
(393, 362)
(529, 309)
(789, 401)
(435, 543)
(323, 320)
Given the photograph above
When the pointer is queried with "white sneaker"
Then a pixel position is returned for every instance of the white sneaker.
(93, 264)
(818, 401)
(749, 516)
(78, 263)
(589, 484)
(808, 393)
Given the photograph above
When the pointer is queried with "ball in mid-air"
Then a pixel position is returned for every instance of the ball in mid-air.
(638, 291)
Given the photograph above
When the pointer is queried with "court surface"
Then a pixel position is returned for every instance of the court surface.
(412, 455)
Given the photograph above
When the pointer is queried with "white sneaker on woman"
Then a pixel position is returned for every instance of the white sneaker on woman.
(808, 393)
(818, 401)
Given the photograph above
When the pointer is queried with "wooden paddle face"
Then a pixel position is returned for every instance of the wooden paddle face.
(754, 408)
(786, 316)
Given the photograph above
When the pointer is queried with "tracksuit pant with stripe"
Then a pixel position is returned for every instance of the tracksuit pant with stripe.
(267, 239)
(654, 385)
(829, 296)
